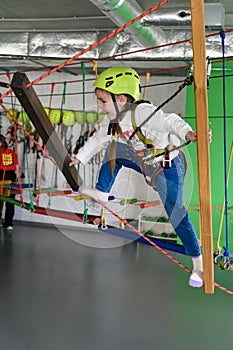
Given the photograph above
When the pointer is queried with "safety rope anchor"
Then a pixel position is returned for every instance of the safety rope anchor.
(223, 261)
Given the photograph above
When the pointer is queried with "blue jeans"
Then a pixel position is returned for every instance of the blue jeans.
(169, 183)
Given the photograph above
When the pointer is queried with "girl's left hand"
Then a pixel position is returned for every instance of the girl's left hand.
(192, 136)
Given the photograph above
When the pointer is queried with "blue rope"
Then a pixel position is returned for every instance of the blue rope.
(222, 35)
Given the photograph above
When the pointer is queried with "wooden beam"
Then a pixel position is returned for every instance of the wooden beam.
(200, 86)
(35, 111)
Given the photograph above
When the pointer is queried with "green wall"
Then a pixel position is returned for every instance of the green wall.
(216, 117)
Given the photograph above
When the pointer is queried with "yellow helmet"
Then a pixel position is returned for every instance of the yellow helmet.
(120, 80)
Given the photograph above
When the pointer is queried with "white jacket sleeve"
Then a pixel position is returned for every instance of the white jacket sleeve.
(176, 125)
(95, 143)
(163, 122)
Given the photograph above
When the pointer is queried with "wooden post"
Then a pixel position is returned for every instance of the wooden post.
(200, 86)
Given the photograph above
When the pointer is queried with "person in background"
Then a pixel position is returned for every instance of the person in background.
(8, 171)
(134, 127)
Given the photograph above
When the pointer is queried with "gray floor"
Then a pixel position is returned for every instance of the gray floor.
(58, 294)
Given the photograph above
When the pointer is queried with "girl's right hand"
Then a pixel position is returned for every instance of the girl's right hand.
(74, 161)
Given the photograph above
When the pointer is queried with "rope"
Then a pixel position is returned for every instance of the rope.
(161, 250)
(51, 188)
(164, 252)
(18, 168)
(188, 81)
(42, 162)
(124, 53)
(93, 46)
(222, 35)
(126, 198)
(40, 178)
(85, 214)
(218, 248)
(28, 174)
(146, 83)
(29, 135)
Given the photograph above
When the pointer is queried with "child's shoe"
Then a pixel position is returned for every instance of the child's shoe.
(196, 278)
(94, 193)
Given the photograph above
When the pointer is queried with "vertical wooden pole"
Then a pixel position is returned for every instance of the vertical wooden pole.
(200, 86)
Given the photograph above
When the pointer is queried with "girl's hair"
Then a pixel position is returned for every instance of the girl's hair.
(4, 145)
(115, 129)
(3, 142)
(2, 138)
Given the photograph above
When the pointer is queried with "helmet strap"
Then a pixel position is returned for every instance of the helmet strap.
(118, 113)
(111, 128)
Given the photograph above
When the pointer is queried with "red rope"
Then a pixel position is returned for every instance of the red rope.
(223, 289)
(42, 163)
(164, 252)
(89, 48)
(40, 178)
(99, 42)
(18, 167)
(111, 57)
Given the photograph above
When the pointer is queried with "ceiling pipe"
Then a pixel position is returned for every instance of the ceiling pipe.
(28, 49)
(122, 12)
(169, 18)
(175, 17)
(48, 48)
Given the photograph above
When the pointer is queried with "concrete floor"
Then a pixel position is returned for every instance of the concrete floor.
(59, 293)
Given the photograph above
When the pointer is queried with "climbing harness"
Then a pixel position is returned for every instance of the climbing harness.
(147, 155)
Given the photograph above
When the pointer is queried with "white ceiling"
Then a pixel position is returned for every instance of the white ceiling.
(60, 22)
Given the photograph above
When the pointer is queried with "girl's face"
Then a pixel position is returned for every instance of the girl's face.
(106, 104)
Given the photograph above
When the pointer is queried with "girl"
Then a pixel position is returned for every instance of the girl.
(138, 133)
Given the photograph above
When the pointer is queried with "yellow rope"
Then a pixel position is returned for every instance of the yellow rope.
(103, 219)
(95, 68)
(218, 248)
(146, 82)
(125, 202)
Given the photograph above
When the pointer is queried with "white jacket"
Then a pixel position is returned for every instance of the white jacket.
(159, 129)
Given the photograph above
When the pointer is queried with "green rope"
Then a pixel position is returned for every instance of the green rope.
(41, 190)
(64, 95)
(51, 187)
(17, 203)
